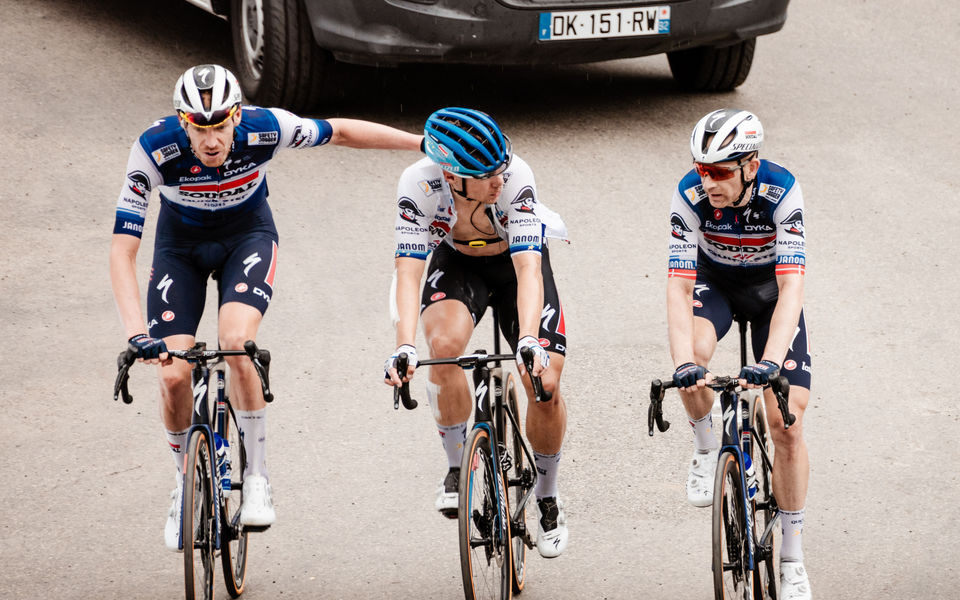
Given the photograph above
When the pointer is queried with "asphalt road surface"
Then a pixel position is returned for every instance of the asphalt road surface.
(858, 99)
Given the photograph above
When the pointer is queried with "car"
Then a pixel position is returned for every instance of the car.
(284, 48)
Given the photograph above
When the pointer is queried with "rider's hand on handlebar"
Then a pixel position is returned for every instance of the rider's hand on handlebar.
(758, 375)
(149, 350)
(390, 376)
(541, 360)
(690, 376)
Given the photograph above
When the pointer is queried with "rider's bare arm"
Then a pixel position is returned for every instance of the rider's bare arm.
(409, 273)
(355, 133)
(529, 292)
(123, 277)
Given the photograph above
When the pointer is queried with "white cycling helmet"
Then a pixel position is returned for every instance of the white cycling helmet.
(726, 134)
(225, 95)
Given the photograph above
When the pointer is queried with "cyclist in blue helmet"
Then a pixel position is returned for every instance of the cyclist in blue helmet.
(473, 205)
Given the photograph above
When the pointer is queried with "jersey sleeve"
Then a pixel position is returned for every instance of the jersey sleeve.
(300, 132)
(684, 227)
(791, 241)
(413, 217)
(519, 211)
(142, 177)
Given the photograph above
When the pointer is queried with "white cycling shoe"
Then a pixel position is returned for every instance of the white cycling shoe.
(257, 508)
(448, 495)
(703, 468)
(171, 531)
(552, 532)
(794, 583)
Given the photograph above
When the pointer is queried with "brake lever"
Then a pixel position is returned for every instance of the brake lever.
(402, 392)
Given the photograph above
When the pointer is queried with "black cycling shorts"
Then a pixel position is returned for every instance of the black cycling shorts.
(241, 257)
(718, 303)
(482, 281)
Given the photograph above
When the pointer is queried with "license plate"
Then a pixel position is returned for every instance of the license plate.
(612, 22)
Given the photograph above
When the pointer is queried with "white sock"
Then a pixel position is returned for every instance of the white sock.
(253, 424)
(703, 438)
(453, 438)
(178, 445)
(791, 523)
(548, 465)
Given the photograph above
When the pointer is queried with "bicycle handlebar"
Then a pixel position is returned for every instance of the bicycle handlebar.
(778, 383)
(197, 355)
(467, 361)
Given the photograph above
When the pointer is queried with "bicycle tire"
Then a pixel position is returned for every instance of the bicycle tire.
(765, 575)
(484, 525)
(512, 462)
(197, 523)
(732, 577)
(234, 538)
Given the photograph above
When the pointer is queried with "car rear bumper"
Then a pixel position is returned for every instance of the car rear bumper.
(505, 31)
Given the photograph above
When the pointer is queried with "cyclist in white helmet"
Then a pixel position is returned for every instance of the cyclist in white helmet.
(473, 205)
(737, 249)
(208, 162)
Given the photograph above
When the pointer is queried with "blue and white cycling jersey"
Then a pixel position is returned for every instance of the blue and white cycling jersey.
(753, 243)
(202, 196)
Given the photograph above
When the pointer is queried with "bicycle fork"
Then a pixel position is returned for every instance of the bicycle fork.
(733, 436)
(200, 377)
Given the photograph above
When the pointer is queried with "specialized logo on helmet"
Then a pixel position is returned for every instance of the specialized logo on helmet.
(525, 200)
(794, 222)
(139, 183)
(678, 227)
(203, 76)
(409, 211)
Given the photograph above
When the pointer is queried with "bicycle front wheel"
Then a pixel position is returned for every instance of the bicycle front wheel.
(484, 523)
(233, 540)
(732, 577)
(765, 575)
(518, 480)
(198, 525)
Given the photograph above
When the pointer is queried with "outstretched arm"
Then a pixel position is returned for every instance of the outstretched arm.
(355, 133)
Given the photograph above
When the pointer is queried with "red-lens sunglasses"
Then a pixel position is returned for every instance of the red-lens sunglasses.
(716, 172)
(217, 118)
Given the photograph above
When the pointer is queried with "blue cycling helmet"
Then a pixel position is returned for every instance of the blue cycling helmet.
(466, 142)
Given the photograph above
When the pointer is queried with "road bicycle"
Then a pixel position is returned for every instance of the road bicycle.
(497, 475)
(745, 510)
(213, 467)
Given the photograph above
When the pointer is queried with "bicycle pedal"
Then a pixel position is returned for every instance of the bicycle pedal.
(255, 528)
(450, 513)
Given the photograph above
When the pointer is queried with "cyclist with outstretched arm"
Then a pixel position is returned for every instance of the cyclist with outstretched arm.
(737, 248)
(208, 162)
(472, 204)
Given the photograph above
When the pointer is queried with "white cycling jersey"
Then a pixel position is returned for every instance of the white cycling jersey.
(426, 213)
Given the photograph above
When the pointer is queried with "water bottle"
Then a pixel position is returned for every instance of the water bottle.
(223, 462)
(751, 477)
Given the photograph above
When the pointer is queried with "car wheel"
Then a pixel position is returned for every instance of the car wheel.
(711, 69)
(278, 62)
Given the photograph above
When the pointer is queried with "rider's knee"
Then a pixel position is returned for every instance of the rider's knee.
(174, 382)
(445, 345)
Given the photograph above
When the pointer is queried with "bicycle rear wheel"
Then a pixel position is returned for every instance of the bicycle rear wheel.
(198, 525)
(765, 575)
(518, 482)
(233, 540)
(484, 523)
(732, 577)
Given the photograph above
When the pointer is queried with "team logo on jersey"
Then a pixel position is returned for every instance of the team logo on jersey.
(166, 153)
(794, 222)
(439, 229)
(430, 186)
(262, 138)
(139, 183)
(409, 211)
(301, 137)
(679, 229)
(525, 200)
(774, 192)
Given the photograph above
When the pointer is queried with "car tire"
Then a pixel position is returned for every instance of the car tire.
(278, 62)
(712, 69)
